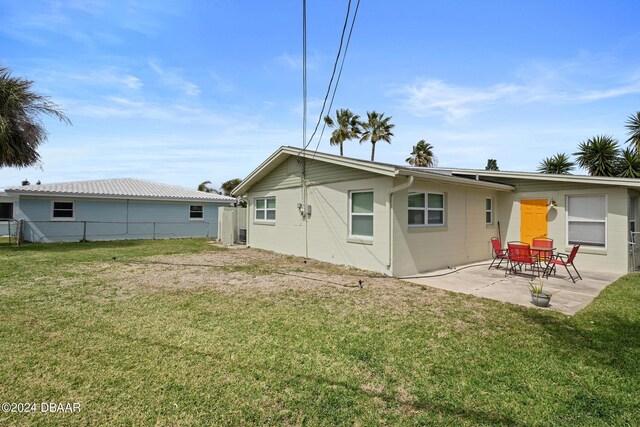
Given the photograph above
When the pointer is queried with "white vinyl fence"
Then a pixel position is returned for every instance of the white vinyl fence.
(232, 225)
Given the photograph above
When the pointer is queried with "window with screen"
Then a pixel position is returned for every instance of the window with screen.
(426, 209)
(361, 214)
(488, 210)
(587, 220)
(265, 209)
(196, 212)
(62, 210)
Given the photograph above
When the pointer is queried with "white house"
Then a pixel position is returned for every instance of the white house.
(401, 220)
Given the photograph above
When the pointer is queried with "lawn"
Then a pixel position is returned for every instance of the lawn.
(180, 332)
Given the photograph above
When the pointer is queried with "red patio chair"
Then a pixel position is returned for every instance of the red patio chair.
(565, 260)
(542, 242)
(519, 255)
(499, 254)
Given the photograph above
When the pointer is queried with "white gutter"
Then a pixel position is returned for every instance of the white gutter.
(395, 189)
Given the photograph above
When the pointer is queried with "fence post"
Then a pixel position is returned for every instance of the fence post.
(84, 231)
(154, 231)
(20, 232)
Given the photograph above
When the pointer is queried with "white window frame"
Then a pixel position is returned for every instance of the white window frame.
(488, 211)
(426, 209)
(73, 210)
(606, 220)
(265, 209)
(358, 236)
(192, 218)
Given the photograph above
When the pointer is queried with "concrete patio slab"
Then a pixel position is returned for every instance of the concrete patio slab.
(476, 279)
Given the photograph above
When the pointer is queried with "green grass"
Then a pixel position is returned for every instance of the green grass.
(206, 357)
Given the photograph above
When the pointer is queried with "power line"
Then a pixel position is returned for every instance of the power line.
(335, 88)
(304, 73)
(333, 74)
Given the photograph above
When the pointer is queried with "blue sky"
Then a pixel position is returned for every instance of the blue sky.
(187, 91)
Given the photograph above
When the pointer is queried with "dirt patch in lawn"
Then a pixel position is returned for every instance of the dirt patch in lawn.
(258, 272)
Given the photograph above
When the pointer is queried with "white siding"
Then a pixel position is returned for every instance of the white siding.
(615, 258)
(465, 238)
(324, 236)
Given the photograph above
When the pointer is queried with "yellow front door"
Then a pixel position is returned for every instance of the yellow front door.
(533, 220)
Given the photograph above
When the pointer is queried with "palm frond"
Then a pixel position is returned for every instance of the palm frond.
(21, 128)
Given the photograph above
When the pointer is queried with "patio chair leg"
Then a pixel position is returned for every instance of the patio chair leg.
(494, 261)
(576, 270)
(548, 269)
(506, 270)
(569, 273)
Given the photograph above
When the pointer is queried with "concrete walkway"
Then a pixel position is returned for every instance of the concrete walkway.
(567, 297)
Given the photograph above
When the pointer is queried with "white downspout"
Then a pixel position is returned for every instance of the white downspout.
(395, 189)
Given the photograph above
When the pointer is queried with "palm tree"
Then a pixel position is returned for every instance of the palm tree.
(598, 155)
(21, 130)
(422, 155)
(348, 127)
(228, 186)
(558, 164)
(492, 165)
(633, 124)
(628, 164)
(204, 187)
(376, 128)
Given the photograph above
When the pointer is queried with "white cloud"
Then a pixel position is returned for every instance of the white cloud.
(595, 95)
(109, 77)
(172, 77)
(435, 97)
(429, 97)
(112, 107)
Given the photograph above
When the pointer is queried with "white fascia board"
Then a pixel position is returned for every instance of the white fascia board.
(582, 179)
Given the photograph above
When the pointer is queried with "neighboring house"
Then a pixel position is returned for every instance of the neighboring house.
(401, 220)
(114, 209)
(7, 212)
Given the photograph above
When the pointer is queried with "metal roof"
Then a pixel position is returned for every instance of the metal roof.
(380, 168)
(119, 188)
(536, 176)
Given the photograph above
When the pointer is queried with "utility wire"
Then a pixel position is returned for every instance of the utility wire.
(335, 88)
(333, 74)
(304, 73)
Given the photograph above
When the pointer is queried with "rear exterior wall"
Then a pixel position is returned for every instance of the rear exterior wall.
(464, 238)
(614, 258)
(324, 235)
